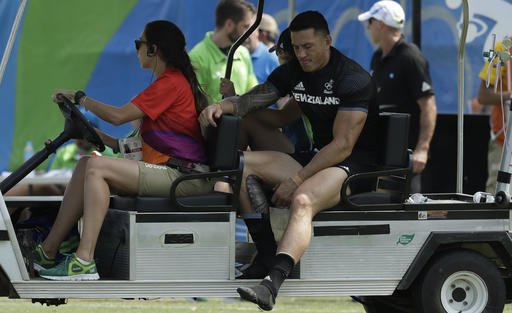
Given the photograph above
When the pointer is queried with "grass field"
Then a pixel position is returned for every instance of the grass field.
(288, 305)
(285, 304)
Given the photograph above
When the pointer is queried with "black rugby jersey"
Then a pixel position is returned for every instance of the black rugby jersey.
(402, 77)
(341, 85)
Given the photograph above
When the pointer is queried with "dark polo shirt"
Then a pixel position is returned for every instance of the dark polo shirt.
(402, 77)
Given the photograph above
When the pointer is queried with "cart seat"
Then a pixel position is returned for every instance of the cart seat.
(393, 173)
(225, 163)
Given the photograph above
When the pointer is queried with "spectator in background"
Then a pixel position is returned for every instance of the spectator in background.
(268, 30)
(487, 96)
(263, 61)
(403, 80)
(209, 57)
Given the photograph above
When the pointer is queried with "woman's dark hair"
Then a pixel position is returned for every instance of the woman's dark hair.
(170, 42)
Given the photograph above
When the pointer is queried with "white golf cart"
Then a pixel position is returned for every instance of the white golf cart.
(445, 254)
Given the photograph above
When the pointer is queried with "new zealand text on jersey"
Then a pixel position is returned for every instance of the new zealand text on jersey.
(305, 98)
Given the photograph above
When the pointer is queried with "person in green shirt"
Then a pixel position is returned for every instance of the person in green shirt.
(209, 57)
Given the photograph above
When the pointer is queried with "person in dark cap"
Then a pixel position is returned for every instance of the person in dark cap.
(298, 132)
(283, 47)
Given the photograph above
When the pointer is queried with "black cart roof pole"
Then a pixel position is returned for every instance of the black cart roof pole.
(242, 38)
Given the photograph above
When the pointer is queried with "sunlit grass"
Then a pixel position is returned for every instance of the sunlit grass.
(284, 304)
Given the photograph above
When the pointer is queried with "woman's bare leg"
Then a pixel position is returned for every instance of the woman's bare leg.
(70, 210)
(101, 175)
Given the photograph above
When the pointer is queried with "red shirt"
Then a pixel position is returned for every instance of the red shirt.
(170, 127)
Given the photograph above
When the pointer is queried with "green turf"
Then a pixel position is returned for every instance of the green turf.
(284, 304)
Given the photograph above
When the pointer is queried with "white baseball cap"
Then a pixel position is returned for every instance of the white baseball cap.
(387, 11)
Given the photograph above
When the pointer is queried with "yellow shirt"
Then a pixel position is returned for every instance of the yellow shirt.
(496, 112)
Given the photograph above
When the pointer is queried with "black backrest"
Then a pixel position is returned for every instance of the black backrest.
(394, 139)
(222, 143)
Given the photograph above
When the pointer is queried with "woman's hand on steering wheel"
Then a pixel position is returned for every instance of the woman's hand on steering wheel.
(70, 94)
(77, 125)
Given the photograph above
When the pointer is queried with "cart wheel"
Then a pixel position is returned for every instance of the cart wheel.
(461, 281)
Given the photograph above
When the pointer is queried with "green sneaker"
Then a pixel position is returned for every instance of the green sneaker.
(41, 261)
(71, 269)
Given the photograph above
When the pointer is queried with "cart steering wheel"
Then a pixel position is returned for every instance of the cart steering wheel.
(76, 125)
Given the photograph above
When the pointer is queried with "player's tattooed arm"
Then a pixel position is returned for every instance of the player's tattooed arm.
(259, 97)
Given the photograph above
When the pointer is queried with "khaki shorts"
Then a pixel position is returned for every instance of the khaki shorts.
(156, 180)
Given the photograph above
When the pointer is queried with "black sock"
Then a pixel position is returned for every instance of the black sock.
(282, 268)
(262, 235)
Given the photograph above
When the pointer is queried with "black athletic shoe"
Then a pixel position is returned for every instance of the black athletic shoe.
(256, 193)
(259, 294)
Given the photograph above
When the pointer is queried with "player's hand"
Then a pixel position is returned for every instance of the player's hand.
(209, 115)
(283, 194)
(227, 88)
(419, 161)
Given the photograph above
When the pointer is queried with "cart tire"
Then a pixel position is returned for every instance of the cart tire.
(461, 281)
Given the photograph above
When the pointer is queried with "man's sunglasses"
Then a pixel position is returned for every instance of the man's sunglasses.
(138, 43)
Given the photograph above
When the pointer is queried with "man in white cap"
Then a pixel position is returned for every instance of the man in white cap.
(268, 30)
(403, 80)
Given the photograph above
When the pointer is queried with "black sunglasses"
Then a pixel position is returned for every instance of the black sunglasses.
(370, 21)
(139, 42)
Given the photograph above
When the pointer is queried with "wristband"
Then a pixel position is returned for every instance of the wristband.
(79, 97)
(297, 179)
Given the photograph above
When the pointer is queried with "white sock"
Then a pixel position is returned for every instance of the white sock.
(82, 261)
